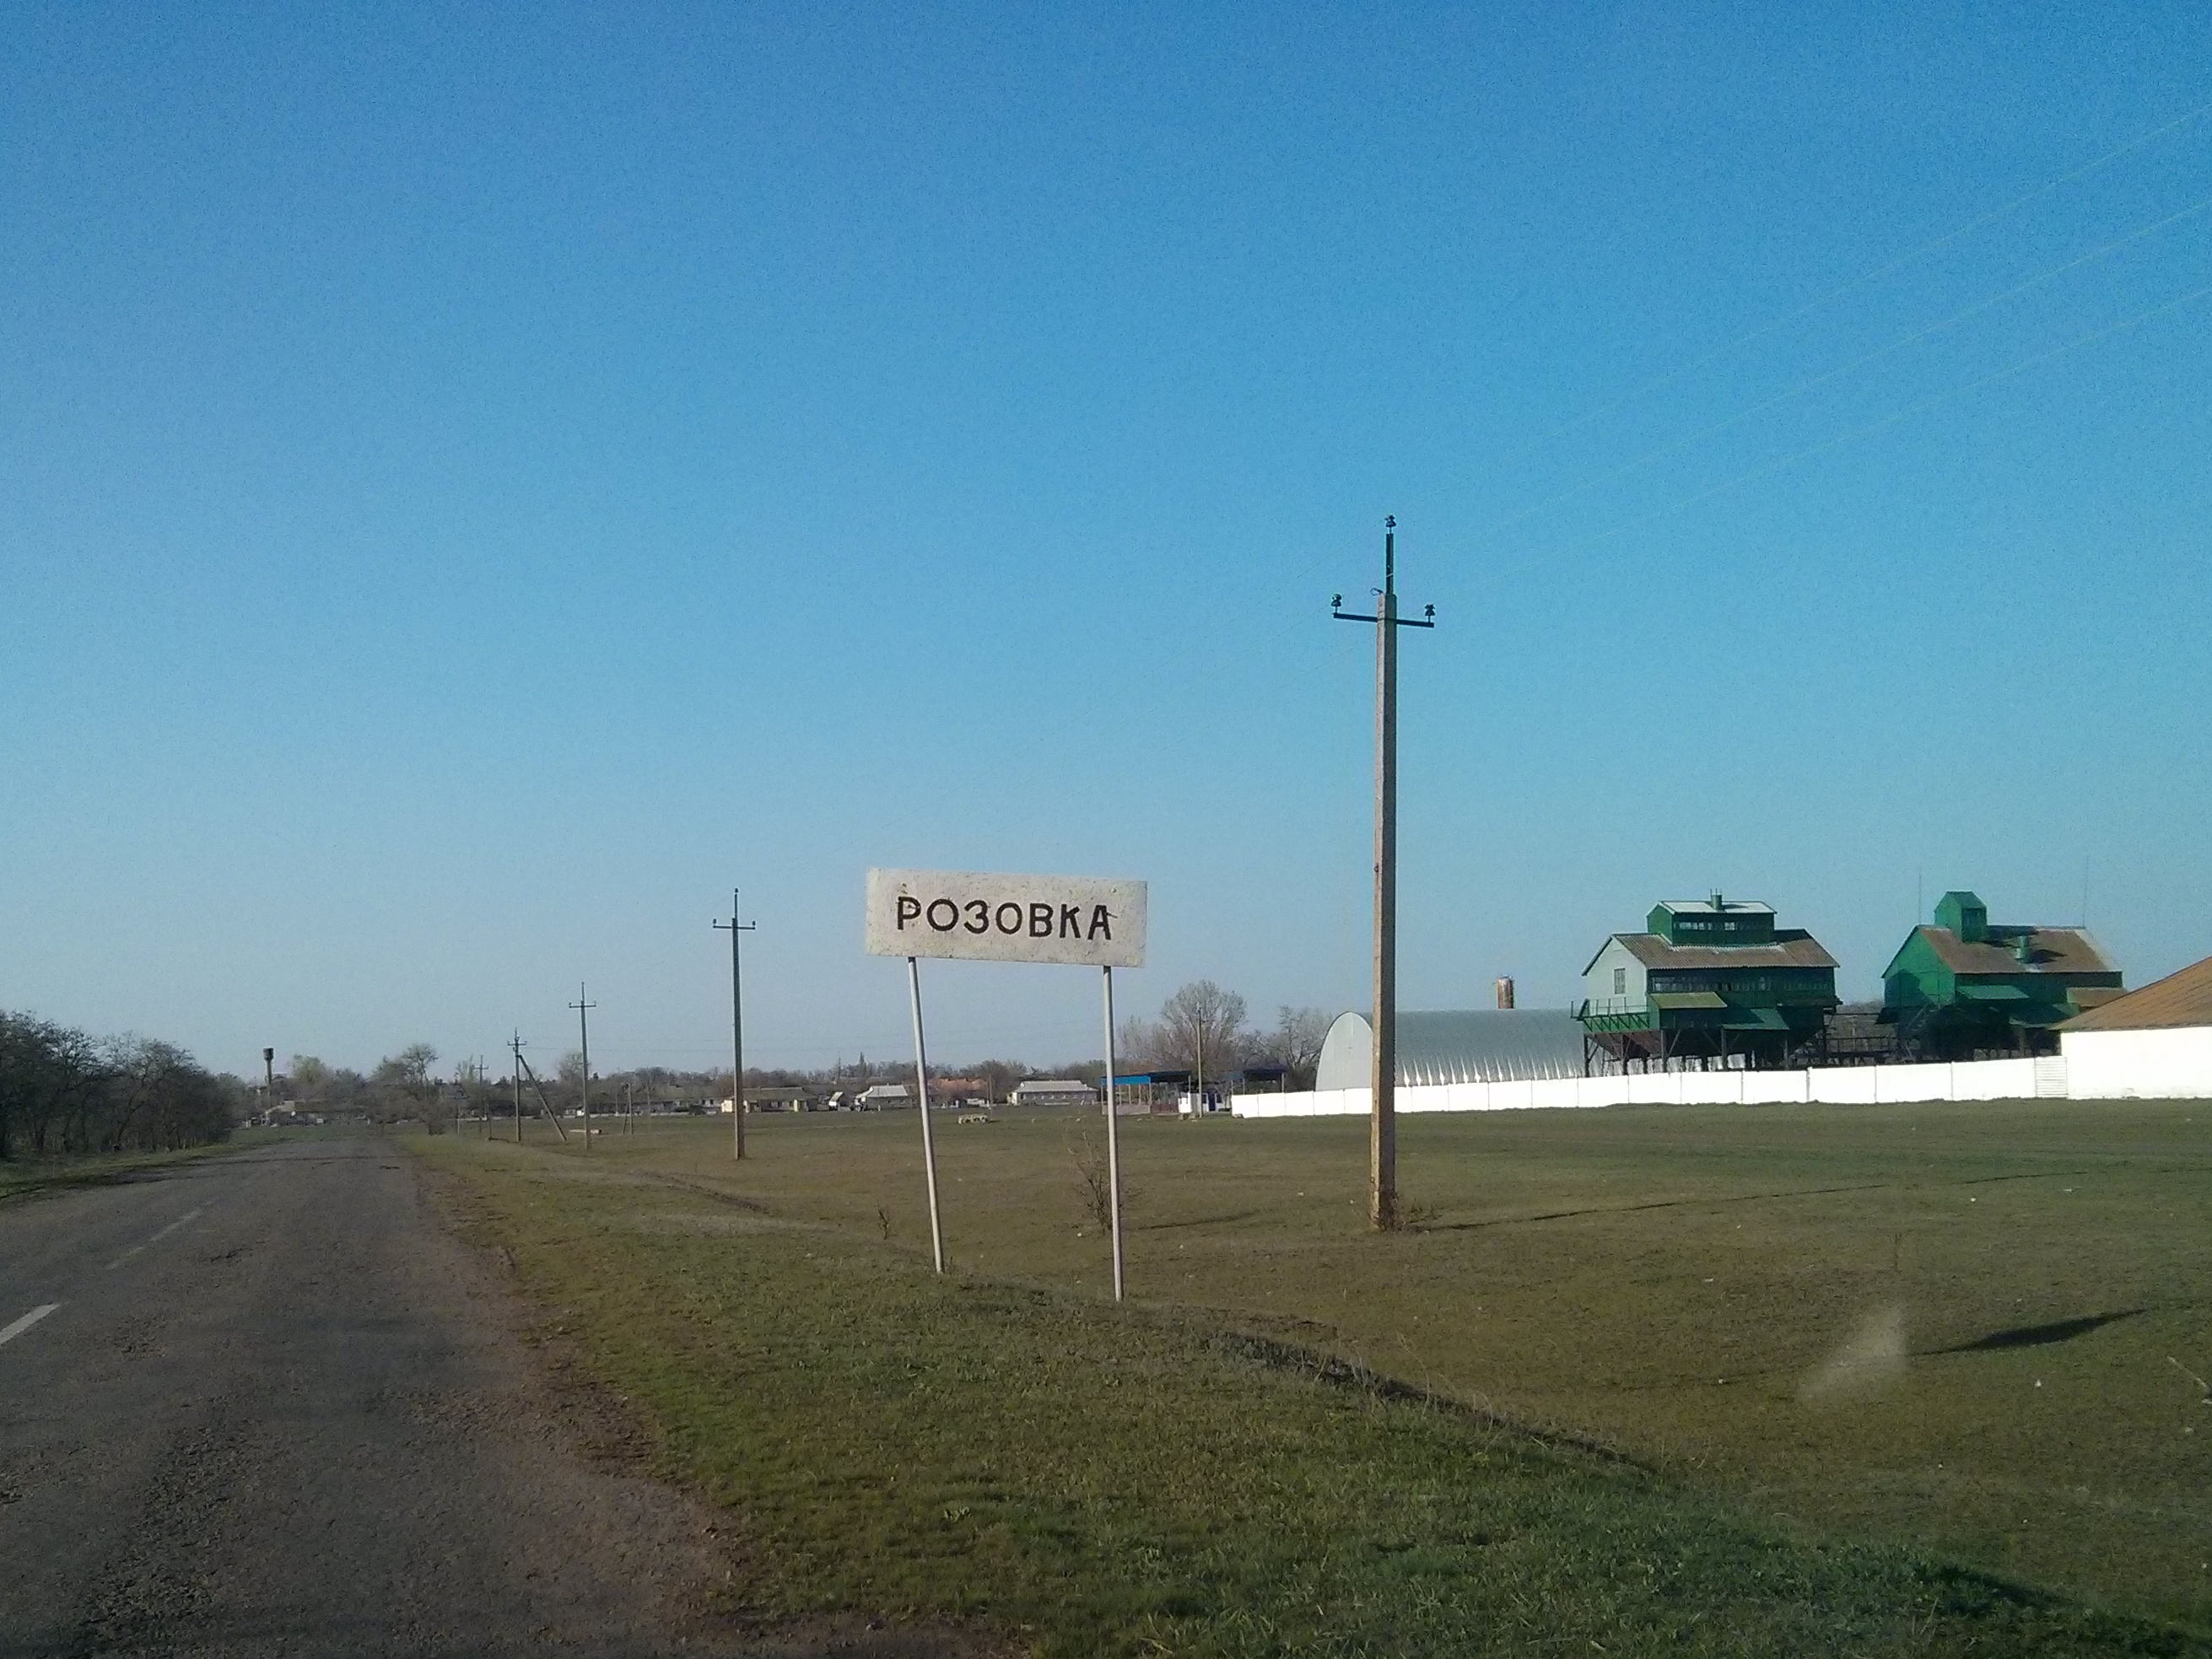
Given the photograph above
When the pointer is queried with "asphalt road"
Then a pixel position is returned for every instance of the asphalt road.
(275, 1408)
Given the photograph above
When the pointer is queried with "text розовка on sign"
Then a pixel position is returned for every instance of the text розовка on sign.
(1077, 919)
(1011, 916)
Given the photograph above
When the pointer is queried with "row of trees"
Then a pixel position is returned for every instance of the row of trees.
(1200, 1029)
(62, 1091)
(401, 1087)
(1204, 1029)
(406, 1087)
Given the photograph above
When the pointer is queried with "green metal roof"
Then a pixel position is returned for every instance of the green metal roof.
(1757, 1019)
(1992, 993)
(1681, 999)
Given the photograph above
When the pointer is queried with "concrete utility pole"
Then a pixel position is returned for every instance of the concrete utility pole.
(584, 1036)
(1382, 1084)
(736, 1029)
(515, 1043)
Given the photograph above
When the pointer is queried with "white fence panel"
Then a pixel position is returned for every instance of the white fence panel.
(1774, 1088)
(1909, 1083)
(1844, 1086)
(2171, 1065)
(1512, 1097)
(1330, 1103)
(1993, 1079)
(1711, 1088)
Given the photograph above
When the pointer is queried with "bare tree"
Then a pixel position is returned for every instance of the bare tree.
(999, 1077)
(345, 1089)
(1093, 1180)
(66, 1092)
(1201, 1029)
(1295, 1044)
(1139, 1042)
(570, 1068)
(404, 1088)
(149, 1080)
(49, 1076)
(473, 1090)
(415, 1061)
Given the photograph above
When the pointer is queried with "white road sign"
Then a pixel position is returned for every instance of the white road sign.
(1077, 919)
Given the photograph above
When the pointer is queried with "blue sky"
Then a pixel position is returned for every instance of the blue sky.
(477, 483)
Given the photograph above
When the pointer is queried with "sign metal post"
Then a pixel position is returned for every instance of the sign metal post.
(1113, 1136)
(1078, 921)
(928, 1145)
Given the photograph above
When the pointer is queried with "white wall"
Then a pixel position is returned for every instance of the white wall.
(2170, 1065)
(2094, 1066)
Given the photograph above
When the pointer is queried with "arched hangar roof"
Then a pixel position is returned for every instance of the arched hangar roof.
(1476, 1045)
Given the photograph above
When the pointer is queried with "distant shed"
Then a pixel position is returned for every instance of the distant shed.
(1476, 1045)
(1054, 1091)
(2156, 1042)
(1137, 1094)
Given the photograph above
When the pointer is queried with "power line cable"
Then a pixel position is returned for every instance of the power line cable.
(1889, 267)
(1892, 418)
(1675, 444)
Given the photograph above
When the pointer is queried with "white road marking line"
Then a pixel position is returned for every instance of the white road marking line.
(9, 1334)
(187, 1216)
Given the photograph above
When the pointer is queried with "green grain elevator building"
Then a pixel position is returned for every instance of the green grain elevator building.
(1967, 986)
(1708, 980)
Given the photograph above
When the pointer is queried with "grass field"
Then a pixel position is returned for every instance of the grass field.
(1959, 1332)
(29, 1173)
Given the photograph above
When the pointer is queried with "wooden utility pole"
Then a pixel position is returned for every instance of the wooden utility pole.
(1382, 1078)
(736, 1029)
(584, 1037)
(1383, 1117)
